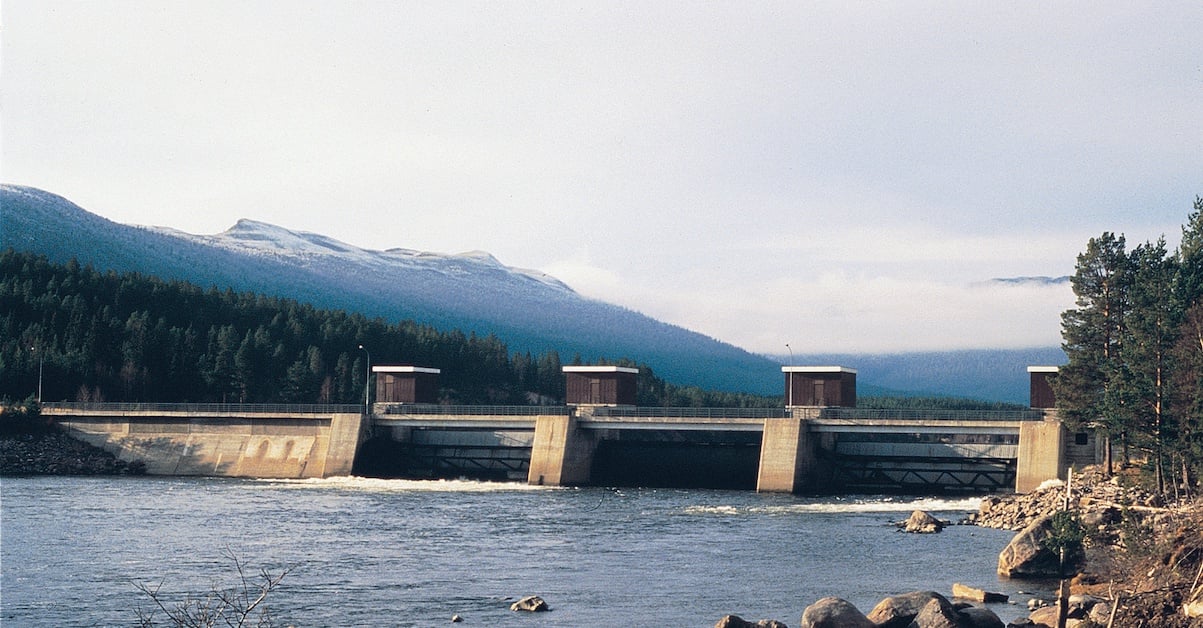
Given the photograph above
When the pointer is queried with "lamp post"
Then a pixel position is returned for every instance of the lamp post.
(41, 362)
(367, 381)
(790, 387)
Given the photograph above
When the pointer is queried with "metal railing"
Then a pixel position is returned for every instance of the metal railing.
(206, 408)
(916, 414)
(466, 410)
(692, 413)
(603, 411)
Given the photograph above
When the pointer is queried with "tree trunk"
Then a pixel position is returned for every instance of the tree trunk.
(1186, 487)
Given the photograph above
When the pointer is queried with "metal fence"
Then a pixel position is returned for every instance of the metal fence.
(464, 410)
(921, 414)
(604, 411)
(206, 408)
(693, 413)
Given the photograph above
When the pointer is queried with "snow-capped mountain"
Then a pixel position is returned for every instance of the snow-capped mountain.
(311, 249)
(472, 292)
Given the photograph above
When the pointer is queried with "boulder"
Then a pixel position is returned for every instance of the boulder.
(977, 595)
(1080, 605)
(530, 603)
(1047, 616)
(921, 522)
(977, 617)
(735, 621)
(832, 612)
(1100, 613)
(899, 611)
(937, 613)
(1027, 557)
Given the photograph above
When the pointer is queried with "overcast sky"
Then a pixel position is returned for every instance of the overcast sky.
(841, 177)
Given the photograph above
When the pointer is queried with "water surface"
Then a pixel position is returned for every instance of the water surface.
(413, 553)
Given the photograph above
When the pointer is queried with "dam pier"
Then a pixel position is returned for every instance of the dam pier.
(820, 442)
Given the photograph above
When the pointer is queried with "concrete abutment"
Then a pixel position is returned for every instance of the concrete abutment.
(787, 457)
(562, 452)
(1041, 455)
(309, 446)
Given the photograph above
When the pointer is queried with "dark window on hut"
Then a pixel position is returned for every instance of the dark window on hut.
(1081, 438)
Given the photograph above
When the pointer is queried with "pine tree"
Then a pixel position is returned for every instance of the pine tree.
(1187, 401)
(1086, 388)
(1146, 361)
(1189, 284)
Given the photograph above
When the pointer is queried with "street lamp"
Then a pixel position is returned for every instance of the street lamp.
(41, 360)
(790, 387)
(367, 380)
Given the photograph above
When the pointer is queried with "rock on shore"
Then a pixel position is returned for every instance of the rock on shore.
(918, 609)
(1142, 559)
(1094, 498)
(54, 453)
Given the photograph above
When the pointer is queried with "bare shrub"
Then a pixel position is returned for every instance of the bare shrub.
(243, 604)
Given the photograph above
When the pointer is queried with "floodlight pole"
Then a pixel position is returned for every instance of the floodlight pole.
(790, 387)
(41, 362)
(367, 381)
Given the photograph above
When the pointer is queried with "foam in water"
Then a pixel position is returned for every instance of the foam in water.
(380, 485)
(846, 505)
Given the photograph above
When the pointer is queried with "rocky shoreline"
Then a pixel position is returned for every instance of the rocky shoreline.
(1141, 564)
(1143, 561)
(50, 452)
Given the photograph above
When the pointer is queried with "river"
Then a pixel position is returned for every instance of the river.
(366, 552)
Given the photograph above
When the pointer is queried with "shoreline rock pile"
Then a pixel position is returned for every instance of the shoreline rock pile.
(1094, 497)
(918, 609)
(55, 453)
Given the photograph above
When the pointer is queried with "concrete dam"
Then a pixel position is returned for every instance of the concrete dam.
(817, 444)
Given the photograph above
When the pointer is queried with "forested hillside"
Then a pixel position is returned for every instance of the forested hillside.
(128, 337)
(470, 292)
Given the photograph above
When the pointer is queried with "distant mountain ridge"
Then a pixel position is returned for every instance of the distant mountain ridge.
(472, 292)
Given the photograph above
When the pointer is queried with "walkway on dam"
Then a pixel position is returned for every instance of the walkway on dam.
(798, 447)
(932, 421)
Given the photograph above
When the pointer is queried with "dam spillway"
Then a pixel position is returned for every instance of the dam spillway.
(599, 438)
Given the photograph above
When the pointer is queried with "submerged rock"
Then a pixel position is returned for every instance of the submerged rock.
(921, 522)
(964, 592)
(530, 603)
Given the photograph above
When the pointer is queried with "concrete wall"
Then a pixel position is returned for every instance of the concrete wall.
(1041, 454)
(312, 446)
(562, 453)
(787, 457)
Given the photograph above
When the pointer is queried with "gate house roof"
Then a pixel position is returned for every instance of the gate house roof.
(817, 369)
(405, 369)
(599, 369)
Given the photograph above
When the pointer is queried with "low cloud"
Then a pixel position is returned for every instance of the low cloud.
(839, 312)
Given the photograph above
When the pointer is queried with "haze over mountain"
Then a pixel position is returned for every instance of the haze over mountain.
(475, 293)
